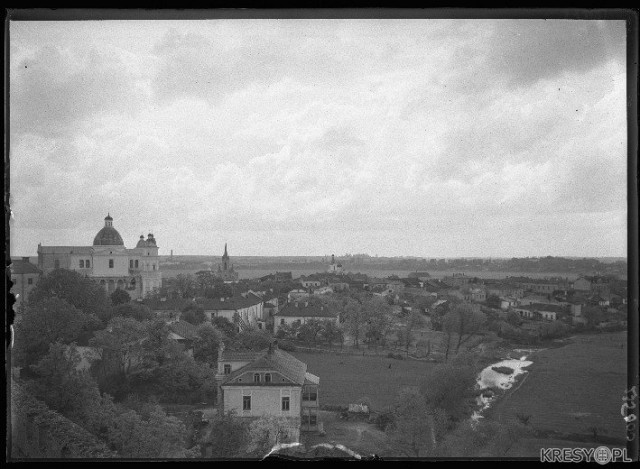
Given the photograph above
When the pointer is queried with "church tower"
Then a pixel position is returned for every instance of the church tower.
(225, 259)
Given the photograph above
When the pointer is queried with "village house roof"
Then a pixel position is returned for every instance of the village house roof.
(275, 359)
(184, 329)
(545, 307)
(23, 267)
(306, 309)
(231, 303)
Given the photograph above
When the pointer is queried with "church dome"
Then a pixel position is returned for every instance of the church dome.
(108, 235)
(141, 243)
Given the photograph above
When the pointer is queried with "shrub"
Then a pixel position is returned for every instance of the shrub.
(287, 347)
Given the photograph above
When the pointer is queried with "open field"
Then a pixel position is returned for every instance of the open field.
(346, 378)
(572, 388)
(359, 436)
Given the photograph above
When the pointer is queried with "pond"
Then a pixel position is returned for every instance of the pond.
(490, 379)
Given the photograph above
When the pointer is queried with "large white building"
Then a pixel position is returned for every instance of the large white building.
(109, 262)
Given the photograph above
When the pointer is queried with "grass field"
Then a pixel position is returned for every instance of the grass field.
(346, 378)
(571, 388)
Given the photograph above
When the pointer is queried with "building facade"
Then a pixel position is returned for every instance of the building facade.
(109, 262)
(24, 277)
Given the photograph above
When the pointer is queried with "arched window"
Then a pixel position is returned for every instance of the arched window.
(136, 263)
(111, 263)
(82, 263)
(256, 377)
(131, 263)
(87, 264)
(267, 377)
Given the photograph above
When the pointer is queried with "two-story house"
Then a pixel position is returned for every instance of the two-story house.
(269, 382)
(301, 312)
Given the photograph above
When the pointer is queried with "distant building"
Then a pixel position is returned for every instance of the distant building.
(24, 276)
(243, 311)
(108, 262)
(302, 311)
(420, 275)
(333, 267)
(225, 269)
(268, 383)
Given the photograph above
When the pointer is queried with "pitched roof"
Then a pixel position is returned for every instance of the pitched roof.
(23, 267)
(306, 309)
(240, 355)
(184, 329)
(545, 307)
(233, 303)
(278, 360)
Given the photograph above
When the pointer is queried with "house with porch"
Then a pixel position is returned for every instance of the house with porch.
(270, 382)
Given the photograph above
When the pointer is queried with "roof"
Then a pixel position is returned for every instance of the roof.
(184, 329)
(545, 307)
(240, 355)
(278, 360)
(108, 236)
(65, 249)
(170, 304)
(23, 267)
(232, 303)
(306, 309)
(311, 378)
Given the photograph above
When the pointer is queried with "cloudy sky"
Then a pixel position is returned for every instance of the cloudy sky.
(430, 138)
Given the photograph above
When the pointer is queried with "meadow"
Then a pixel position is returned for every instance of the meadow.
(346, 378)
(570, 389)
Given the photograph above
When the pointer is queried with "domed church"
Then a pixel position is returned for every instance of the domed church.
(109, 262)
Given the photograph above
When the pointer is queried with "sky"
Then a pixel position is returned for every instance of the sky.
(424, 137)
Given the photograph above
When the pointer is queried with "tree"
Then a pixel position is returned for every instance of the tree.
(288, 331)
(44, 321)
(513, 318)
(451, 386)
(122, 341)
(593, 315)
(331, 333)
(225, 326)
(185, 284)
(205, 345)
(120, 297)
(465, 321)
(252, 339)
(193, 314)
(227, 437)
(136, 311)
(310, 330)
(265, 433)
(60, 384)
(414, 429)
(493, 301)
(81, 292)
(413, 321)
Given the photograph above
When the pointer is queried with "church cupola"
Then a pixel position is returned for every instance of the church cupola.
(108, 221)
(108, 235)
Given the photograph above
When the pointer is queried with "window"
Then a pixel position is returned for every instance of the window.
(131, 264)
(282, 322)
(227, 369)
(246, 402)
(30, 281)
(256, 377)
(267, 377)
(154, 266)
(136, 263)
(87, 264)
(259, 325)
(82, 263)
(310, 395)
(111, 263)
(313, 419)
(285, 403)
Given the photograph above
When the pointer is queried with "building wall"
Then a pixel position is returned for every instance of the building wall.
(288, 320)
(265, 400)
(21, 287)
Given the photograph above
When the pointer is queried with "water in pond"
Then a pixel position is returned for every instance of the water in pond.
(490, 378)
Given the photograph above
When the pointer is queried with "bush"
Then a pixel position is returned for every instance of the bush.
(287, 347)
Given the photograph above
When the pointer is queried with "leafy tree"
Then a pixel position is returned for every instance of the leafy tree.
(205, 346)
(225, 326)
(288, 331)
(265, 433)
(227, 437)
(464, 321)
(185, 284)
(493, 301)
(593, 315)
(193, 314)
(331, 333)
(310, 330)
(120, 297)
(45, 321)
(252, 339)
(136, 311)
(60, 384)
(451, 385)
(416, 428)
(122, 341)
(413, 321)
(513, 318)
(81, 292)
